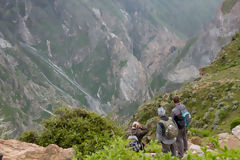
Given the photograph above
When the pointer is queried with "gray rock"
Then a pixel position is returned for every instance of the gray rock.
(196, 149)
(221, 104)
(194, 100)
(214, 127)
(203, 103)
(205, 126)
(227, 89)
(210, 96)
(214, 98)
(235, 102)
(226, 107)
(236, 131)
(234, 107)
(211, 109)
(206, 115)
(212, 89)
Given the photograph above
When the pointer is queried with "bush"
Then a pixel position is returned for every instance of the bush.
(29, 137)
(199, 132)
(87, 132)
(118, 151)
(235, 123)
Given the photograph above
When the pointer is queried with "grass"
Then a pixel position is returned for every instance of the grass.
(157, 82)
(219, 84)
(123, 63)
(4, 75)
(228, 5)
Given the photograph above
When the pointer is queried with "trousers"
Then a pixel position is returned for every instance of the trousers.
(182, 143)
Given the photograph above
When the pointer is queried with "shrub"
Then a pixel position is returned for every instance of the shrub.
(86, 131)
(235, 123)
(199, 132)
(29, 137)
(118, 151)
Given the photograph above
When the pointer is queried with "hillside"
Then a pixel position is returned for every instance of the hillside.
(204, 47)
(213, 98)
(93, 54)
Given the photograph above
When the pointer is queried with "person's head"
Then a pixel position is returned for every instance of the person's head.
(135, 124)
(176, 99)
(161, 111)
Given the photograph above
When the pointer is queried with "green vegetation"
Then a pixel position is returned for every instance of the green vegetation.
(118, 151)
(86, 131)
(4, 75)
(213, 99)
(157, 82)
(235, 123)
(123, 63)
(228, 5)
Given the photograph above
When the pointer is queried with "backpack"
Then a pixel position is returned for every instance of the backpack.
(135, 144)
(184, 119)
(171, 130)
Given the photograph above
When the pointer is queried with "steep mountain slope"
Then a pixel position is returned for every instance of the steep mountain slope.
(203, 49)
(213, 99)
(96, 54)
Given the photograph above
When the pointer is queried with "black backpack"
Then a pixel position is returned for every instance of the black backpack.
(184, 119)
(135, 144)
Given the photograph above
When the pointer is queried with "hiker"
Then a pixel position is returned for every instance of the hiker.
(167, 132)
(137, 133)
(182, 118)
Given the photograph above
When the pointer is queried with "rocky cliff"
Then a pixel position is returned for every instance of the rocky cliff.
(97, 55)
(212, 99)
(203, 49)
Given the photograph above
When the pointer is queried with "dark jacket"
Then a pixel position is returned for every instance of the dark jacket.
(139, 132)
(176, 112)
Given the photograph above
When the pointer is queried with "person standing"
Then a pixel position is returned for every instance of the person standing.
(166, 132)
(182, 118)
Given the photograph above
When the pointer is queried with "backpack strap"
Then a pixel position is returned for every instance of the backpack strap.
(133, 138)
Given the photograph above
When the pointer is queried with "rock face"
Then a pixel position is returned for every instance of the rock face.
(97, 55)
(203, 49)
(15, 150)
(236, 132)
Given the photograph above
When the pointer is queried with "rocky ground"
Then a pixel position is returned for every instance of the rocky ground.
(15, 150)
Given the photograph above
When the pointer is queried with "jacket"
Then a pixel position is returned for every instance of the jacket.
(139, 132)
(176, 112)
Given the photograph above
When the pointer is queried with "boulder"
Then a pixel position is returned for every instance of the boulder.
(229, 140)
(196, 149)
(236, 132)
(16, 150)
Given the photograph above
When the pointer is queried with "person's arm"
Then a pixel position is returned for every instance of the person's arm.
(159, 132)
(173, 114)
(143, 131)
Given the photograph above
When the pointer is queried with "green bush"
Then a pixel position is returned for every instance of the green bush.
(29, 137)
(86, 131)
(200, 132)
(235, 123)
(118, 151)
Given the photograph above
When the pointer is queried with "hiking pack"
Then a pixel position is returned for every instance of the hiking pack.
(171, 130)
(135, 144)
(184, 118)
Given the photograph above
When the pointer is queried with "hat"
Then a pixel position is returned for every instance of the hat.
(161, 111)
(135, 124)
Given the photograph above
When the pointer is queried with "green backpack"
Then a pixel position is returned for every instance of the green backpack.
(171, 130)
